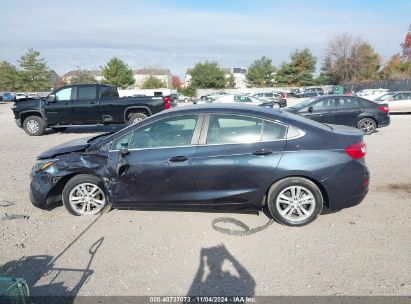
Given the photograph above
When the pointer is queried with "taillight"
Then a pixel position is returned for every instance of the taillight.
(167, 103)
(384, 109)
(357, 150)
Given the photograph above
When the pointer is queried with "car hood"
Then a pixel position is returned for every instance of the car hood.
(67, 147)
(32, 103)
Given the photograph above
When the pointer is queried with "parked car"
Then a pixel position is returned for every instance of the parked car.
(213, 96)
(253, 157)
(8, 97)
(310, 92)
(33, 96)
(179, 97)
(371, 94)
(243, 99)
(1, 99)
(84, 105)
(350, 111)
(20, 96)
(398, 102)
(294, 92)
(278, 98)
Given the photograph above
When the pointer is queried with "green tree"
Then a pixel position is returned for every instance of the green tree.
(153, 82)
(8, 77)
(82, 76)
(207, 75)
(117, 73)
(231, 82)
(188, 91)
(299, 72)
(370, 63)
(260, 73)
(34, 74)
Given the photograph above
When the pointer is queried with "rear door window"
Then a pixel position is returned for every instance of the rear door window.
(273, 131)
(229, 129)
(348, 102)
(89, 92)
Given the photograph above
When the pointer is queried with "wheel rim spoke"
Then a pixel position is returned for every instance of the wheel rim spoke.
(295, 203)
(87, 198)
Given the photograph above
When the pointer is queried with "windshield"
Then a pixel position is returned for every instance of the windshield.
(303, 104)
(384, 97)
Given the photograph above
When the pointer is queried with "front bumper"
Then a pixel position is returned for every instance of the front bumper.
(41, 186)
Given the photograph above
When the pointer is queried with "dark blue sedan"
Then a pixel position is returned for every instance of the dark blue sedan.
(211, 157)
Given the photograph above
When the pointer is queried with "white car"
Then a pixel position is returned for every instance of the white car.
(397, 101)
(20, 96)
(371, 94)
(183, 98)
(32, 95)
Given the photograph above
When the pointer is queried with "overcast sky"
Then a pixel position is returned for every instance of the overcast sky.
(177, 34)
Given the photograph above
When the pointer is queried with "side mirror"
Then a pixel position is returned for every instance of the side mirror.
(310, 109)
(124, 149)
(51, 98)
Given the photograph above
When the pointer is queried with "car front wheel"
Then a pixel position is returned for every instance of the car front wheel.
(84, 195)
(34, 126)
(295, 201)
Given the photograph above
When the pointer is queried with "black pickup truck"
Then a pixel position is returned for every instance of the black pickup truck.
(84, 104)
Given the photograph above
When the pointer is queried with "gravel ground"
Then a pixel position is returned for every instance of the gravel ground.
(365, 250)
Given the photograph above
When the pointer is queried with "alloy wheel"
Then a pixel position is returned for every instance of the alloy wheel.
(33, 126)
(367, 126)
(87, 199)
(295, 204)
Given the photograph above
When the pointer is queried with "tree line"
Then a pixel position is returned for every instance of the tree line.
(347, 59)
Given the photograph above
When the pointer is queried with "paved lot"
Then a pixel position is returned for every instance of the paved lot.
(365, 250)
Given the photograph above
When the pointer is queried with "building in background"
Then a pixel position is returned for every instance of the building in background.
(238, 73)
(141, 75)
(96, 74)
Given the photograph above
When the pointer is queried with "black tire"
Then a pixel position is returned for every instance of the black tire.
(34, 126)
(135, 118)
(59, 129)
(277, 188)
(82, 179)
(367, 125)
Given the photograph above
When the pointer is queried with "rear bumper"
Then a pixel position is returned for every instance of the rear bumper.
(348, 186)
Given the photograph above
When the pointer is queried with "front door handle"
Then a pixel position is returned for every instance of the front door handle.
(261, 152)
(180, 158)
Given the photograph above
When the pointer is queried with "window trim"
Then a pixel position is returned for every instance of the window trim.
(194, 138)
(206, 124)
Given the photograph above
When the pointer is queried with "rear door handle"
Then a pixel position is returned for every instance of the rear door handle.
(262, 152)
(180, 158)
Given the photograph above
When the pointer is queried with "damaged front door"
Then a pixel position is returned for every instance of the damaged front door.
(152, 165)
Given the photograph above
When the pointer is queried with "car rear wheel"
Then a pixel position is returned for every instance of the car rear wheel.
(34, 126)
(84, 195)
(295, 201)
(367, 125)
(135, 118)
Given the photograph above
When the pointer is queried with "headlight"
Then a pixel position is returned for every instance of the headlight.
(43, 164)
